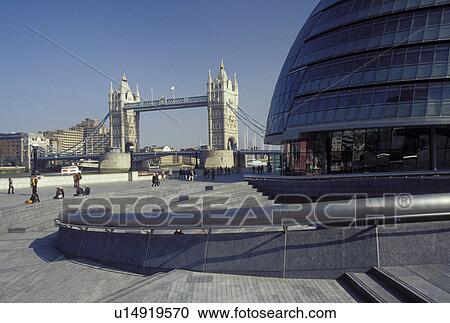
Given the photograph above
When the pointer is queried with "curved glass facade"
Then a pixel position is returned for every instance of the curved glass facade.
(360, 65)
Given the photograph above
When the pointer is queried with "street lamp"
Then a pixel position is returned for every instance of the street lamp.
(35, 148)
(196, 159)
(131, 149)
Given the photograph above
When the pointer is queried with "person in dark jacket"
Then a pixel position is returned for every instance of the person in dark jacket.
(155, 180)
(79, 192)
(10, 185)
(59, 193)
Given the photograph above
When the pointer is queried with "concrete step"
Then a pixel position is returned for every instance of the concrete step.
(162, 192)
(238, 191)
(237, 199)
(438, 274)
(412, 285)
(30, 210)
(249, 199)
(50, 213)
(22, 220)
(369, 288)
(231, 187)
(40, 224)
(24, 208)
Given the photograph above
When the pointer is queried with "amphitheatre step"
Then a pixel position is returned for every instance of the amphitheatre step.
(29, 216)
(38, 224)
(369, 288)
(231, 191)
(411, 284)
(27, 220)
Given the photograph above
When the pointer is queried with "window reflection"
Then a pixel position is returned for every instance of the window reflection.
(397, 64)
(410, 27)
(381, 102)
(400, 149)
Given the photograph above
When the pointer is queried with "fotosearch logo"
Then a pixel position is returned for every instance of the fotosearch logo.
(222, 212)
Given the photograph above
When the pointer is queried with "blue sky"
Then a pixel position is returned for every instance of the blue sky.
(156, 43)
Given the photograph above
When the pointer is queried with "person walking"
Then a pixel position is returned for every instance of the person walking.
(76, 180)
(10, 185)
(155, 180)
(34, 192)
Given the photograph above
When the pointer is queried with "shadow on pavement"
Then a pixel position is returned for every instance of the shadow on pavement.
(46, 249)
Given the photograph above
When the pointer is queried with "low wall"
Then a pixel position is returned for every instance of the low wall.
(372, 186)
(297, 254)
(67, 180)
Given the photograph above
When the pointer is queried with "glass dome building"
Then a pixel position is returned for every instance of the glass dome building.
(366, 88)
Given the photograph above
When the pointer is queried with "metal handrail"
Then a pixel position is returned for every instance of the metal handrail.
(172, 228)
(368, 221)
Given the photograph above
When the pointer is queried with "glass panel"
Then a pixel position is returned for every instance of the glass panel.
(426, 56)
(407, 94)
(370, 155)
(398, 138)
(412, 56)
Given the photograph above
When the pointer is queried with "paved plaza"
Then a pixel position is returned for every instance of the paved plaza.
(33, 270)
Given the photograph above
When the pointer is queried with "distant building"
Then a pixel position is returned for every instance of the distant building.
(87, 137)
(15, 148)
(162, 160)
(66, 140)
(96, 137)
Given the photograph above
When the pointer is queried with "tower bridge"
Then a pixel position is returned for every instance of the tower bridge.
(125, 106)
(221, 101)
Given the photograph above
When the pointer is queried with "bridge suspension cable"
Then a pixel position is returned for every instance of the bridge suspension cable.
(98, 144)
(81, 145)
(246, 121)
(248, 118)
(241, 109)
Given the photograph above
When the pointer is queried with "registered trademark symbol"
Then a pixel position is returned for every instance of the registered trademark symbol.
(404, 201)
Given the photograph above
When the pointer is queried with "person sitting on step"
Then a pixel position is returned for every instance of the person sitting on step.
(59, 193)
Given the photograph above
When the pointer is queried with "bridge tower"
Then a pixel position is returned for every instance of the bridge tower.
(223, 98)
(124, 124)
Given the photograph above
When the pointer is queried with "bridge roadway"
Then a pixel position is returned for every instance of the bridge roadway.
(168, 104)
(147, 155)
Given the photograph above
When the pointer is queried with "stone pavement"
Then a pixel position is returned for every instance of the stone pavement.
(15, 216)
(32, 270)
(47, 193)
